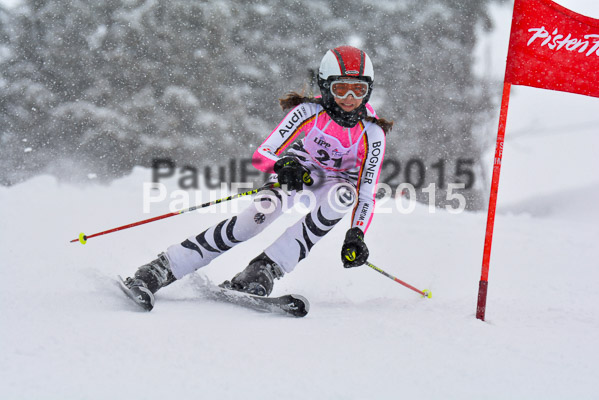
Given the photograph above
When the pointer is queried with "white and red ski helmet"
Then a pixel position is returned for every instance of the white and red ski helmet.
(346, 61)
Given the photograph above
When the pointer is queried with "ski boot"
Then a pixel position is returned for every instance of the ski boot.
(257, 278)
(148, 279)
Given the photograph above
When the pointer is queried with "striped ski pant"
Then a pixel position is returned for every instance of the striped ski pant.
(330, 197)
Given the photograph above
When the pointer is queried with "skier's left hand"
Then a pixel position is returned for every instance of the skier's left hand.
(354, 251)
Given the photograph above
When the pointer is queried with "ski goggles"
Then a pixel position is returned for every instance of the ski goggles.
(343, 88)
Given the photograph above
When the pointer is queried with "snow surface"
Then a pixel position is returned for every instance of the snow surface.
(67, 332)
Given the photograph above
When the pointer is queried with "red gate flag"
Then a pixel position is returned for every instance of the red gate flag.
(553, 48)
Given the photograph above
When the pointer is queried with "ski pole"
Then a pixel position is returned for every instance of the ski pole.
(83, 238)
(424, 293)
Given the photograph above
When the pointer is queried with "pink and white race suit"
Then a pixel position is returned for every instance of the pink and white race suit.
(345, 164)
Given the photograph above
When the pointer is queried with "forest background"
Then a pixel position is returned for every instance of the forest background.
(91, 89)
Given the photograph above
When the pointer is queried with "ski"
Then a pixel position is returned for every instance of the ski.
(147, 303)
(289, 304)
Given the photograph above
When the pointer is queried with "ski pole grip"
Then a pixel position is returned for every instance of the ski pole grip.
(348, 256)
(349, 253)
(307, 179)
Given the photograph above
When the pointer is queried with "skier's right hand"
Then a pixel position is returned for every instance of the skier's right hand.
(354, 251)
(291, 173)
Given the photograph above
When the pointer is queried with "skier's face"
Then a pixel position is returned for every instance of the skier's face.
(349, 103)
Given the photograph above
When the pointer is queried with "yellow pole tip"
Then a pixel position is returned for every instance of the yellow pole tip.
(427, 293)
(82, 238)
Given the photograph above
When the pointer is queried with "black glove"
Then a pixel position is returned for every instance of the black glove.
(291, 173)
(354, 251)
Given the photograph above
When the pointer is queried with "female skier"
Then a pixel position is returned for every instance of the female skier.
(342, 147)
